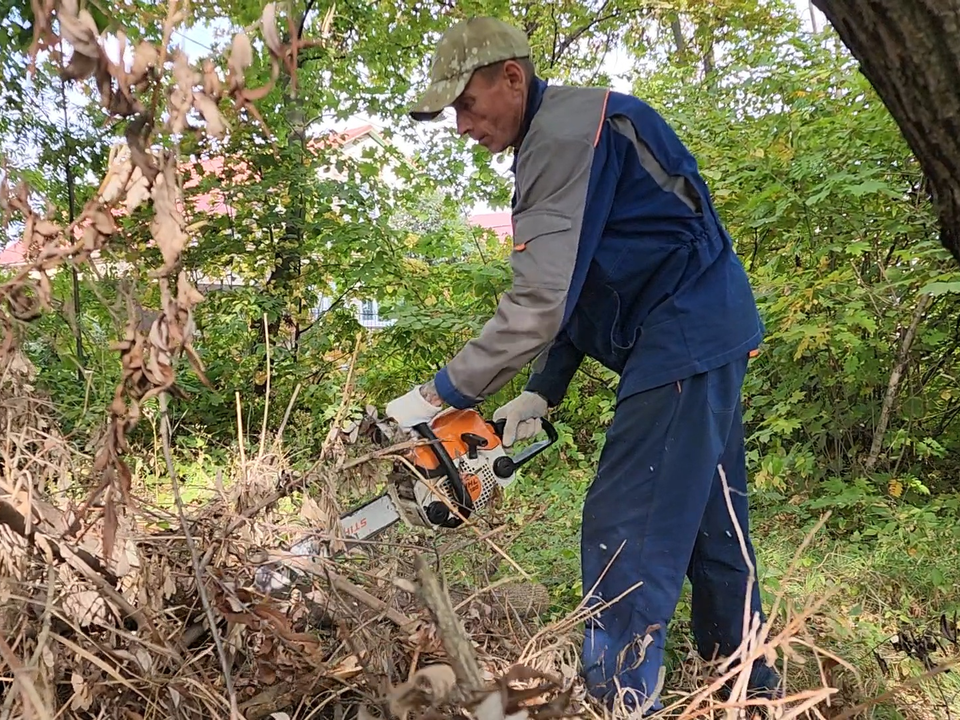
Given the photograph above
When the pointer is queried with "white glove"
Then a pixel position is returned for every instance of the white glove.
(411, 409)
(523, 415)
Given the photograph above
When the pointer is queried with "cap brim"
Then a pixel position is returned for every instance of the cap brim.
(437, 96)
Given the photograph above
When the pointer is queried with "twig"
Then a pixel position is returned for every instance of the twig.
(345, 401)
(240, 441)
(740, 687)
(456, 511)
(374, 603)
(455, 640)
(383, 452)
(195, 558)
(44, 632)
(31, 698)
(482, 591)
(286, 416)
(266, 399)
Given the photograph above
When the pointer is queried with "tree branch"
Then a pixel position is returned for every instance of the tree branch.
(896, 376)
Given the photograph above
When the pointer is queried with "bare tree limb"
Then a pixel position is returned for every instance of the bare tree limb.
(903, 357)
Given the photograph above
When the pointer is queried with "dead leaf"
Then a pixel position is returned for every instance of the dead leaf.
(241, 57)
(211, 80)
(493, 707)
(85, 607)
(82, 697)
(403, 584)
(349, 667)
(145, 58)
(268, 22)
(180, 99)
(428, 687)
(216, 127)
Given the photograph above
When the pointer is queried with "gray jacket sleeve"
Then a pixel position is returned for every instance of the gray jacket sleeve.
(553, 175)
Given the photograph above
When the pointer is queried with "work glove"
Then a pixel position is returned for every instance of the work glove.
(522, 415)
(411, 409)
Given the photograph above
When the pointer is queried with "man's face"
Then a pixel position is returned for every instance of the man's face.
(490, 109)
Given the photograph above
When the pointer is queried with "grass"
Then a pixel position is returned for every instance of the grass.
(885, 585)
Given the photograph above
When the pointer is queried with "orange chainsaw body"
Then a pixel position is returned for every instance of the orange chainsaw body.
(457, 431)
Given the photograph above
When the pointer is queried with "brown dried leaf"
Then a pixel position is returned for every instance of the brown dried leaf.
(85, 607)
(46, 228)
(405, 585)
(268, 22)
(211, 80)
(115, 180)
(428, 687)
(241, 57)
(349, 667)
(211, 114)
(80, 30)
(145, 58)
(44, 291)
(82, 697)
(109, 528)
(187, 295)
(80, 67)
(253, 94)
(181, 94)
(167, 224)
(327, 23)
(103, 222)
(138, 191)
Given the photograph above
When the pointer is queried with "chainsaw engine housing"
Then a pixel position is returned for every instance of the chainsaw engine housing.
(465, 450)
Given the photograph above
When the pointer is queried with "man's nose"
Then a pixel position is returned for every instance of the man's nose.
(463, 125)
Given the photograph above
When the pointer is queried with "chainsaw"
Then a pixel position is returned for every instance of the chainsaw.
(457, 471)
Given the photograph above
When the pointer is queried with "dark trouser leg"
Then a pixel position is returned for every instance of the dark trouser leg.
(718, 571)
(653, 486)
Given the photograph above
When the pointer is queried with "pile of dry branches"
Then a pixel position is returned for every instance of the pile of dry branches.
(172, 625)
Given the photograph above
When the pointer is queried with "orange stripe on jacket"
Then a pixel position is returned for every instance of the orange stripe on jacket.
(603, 116)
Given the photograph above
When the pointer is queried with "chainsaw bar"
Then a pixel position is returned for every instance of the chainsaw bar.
(370, 519)
(362, 523)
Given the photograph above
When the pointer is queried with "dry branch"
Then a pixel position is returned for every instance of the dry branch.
(455, 640)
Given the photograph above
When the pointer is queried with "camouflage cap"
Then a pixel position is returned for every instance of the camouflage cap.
(468, 45)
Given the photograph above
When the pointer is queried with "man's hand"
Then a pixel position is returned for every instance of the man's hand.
(523, 415)
(420, 405)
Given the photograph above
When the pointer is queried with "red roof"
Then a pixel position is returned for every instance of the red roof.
(500, 222)
(12, 255)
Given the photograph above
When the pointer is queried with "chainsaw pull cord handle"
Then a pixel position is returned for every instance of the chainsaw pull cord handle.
(437, 511)
(505, 466)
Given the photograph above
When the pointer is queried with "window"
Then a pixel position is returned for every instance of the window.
(368, 312)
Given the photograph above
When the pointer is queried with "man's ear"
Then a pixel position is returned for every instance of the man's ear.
(513, 71)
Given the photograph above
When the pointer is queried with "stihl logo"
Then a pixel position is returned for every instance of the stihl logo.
(356, 527)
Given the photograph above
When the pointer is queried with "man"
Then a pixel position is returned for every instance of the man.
(618, 255)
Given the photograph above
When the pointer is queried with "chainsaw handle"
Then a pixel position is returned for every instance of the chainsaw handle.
(460, 494)
(506, 466)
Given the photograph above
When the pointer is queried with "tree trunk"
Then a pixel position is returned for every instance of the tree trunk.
(909, 50)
